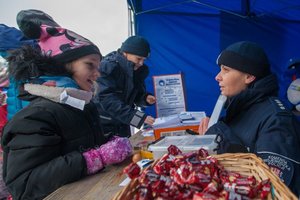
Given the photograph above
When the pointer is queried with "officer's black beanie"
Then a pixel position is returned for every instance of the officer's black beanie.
(136, 45)
(246, 57)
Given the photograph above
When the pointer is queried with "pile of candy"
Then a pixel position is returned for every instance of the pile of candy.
(193, 176)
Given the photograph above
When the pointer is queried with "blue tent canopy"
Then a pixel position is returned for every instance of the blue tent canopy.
(187, 36)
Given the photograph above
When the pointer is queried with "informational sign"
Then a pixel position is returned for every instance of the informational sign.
(170, 96)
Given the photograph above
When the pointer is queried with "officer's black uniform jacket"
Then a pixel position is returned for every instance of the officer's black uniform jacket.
(258, 121)
(120, 90)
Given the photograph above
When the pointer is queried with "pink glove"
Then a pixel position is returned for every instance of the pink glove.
(114, 151)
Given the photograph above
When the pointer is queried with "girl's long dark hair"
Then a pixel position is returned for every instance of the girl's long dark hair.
(27, 63)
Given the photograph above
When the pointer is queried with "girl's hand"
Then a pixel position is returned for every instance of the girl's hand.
(149, 120)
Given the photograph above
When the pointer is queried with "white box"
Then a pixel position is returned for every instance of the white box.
(186, 143)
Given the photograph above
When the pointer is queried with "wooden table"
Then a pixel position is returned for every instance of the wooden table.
(101, 186)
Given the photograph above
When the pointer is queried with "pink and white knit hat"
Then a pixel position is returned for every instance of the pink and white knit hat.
(56, 42)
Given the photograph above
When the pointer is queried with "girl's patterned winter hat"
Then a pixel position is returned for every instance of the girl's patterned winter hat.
(56, 42)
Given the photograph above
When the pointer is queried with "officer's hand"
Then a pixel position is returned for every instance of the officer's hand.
(203, 126)
(149, 120)
(150, 99)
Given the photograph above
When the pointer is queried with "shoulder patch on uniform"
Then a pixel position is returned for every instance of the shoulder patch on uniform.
(280, 166)
(279, 106)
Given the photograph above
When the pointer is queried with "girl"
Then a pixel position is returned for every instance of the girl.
(57, 138)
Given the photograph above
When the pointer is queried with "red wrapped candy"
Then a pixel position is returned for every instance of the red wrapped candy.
(203, 153)
(173, 150)
(143, 193)
(248, 181)
(148, 177)
(132, 170)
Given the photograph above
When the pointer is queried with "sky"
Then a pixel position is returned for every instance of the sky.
(104, 22)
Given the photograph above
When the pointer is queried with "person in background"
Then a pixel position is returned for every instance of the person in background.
(255, 121)
(12, 38)
(122, 88)
(57, 138)
(292, 83)
(3, 90)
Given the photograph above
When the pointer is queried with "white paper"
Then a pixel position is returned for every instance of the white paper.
(195, 119)
(184, 118)
(125, 182)
(172, 120)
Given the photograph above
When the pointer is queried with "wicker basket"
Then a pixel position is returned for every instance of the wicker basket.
(243, 163)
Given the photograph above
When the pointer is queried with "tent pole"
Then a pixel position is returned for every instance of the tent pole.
(131, 22)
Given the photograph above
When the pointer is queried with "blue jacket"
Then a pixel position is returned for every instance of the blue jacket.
(14, 104)
(121, 89)
(12, 38)
(257, 122)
